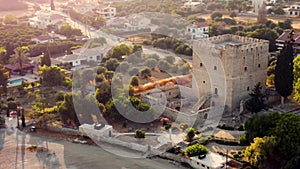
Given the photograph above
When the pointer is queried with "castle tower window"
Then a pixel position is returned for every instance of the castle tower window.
(203, 81)
(216, 91)
(245, 68)
(248, 88)
(215, 67)
(258, 65)
(201, 64)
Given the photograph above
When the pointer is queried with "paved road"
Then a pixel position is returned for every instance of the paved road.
(67, 155)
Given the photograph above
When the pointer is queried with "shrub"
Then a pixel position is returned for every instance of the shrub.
(243, 141)
(183, 126)
(139, 134)
(225, 127)
(196, 149)
(235, 156)
(190, 133)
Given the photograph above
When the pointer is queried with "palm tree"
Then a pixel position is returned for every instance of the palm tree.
(20, 57)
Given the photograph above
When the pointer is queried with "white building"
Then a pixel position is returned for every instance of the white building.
(257, 4)
(197, 30)
(45, 17)
(51, 37)
(137, 22)
(106, 12)
(191, 5)
(82, 56)
(210, 160)
(294, 10)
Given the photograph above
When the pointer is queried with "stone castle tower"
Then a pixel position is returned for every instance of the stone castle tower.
(52, 5)
(228, 67)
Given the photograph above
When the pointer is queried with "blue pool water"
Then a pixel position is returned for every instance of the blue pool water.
(15, 81)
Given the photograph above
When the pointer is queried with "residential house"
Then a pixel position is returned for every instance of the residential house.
(137, 22)
(43, 39)
(294, 10)
(284, 37)
(51, 37)
(191, 5)
(44, 18)
(210, 160)
(82, 56)
(107, 12)
(197, 30)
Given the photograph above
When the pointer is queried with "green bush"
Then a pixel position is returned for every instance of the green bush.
(225, 127)
(243, 141)
(196, 149)
(139, 134)
(190, 133)
(183, 126)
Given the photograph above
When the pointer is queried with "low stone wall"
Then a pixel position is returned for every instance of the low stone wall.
(67, 131)
(174, 157)
(115, 141)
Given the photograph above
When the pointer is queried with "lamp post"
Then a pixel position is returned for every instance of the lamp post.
(23, 117)
(18, 112)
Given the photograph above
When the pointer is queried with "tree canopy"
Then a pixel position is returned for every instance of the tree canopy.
(284, 70)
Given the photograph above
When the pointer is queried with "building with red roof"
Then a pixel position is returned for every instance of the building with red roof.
(284, 37)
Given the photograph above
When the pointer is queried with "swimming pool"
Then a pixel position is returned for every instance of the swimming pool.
(15, 81)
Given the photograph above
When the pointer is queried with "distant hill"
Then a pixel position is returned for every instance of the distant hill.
(9, 5)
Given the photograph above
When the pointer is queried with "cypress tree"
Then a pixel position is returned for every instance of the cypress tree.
(284, 69)
(46, 59)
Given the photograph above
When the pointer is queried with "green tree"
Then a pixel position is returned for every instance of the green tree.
(296, 73)
(287, 132)
(20, 57)
(134, 71)
(163, 65)
(151, 63)
(190, 133)
(146, 72)
(103, 92)
(2, 55)
(121, 50)
(170, 59)
(67, 30)
(135, 81)
(67, 111)
(260, 125)
(286, 24)
(46, 58)
(139, 133)
(232, 15)
(101, 70)
(195, 150)
(112, 64)
(215, 15)
(52, 76)
(258, 152)
(124, 66)
(284, 70)
(10, 19)
(4, 75)
(257, 99)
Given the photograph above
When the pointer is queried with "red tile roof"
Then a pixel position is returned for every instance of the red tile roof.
(16, 67)
(284, 37)
(44, 37)
(56, 16)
